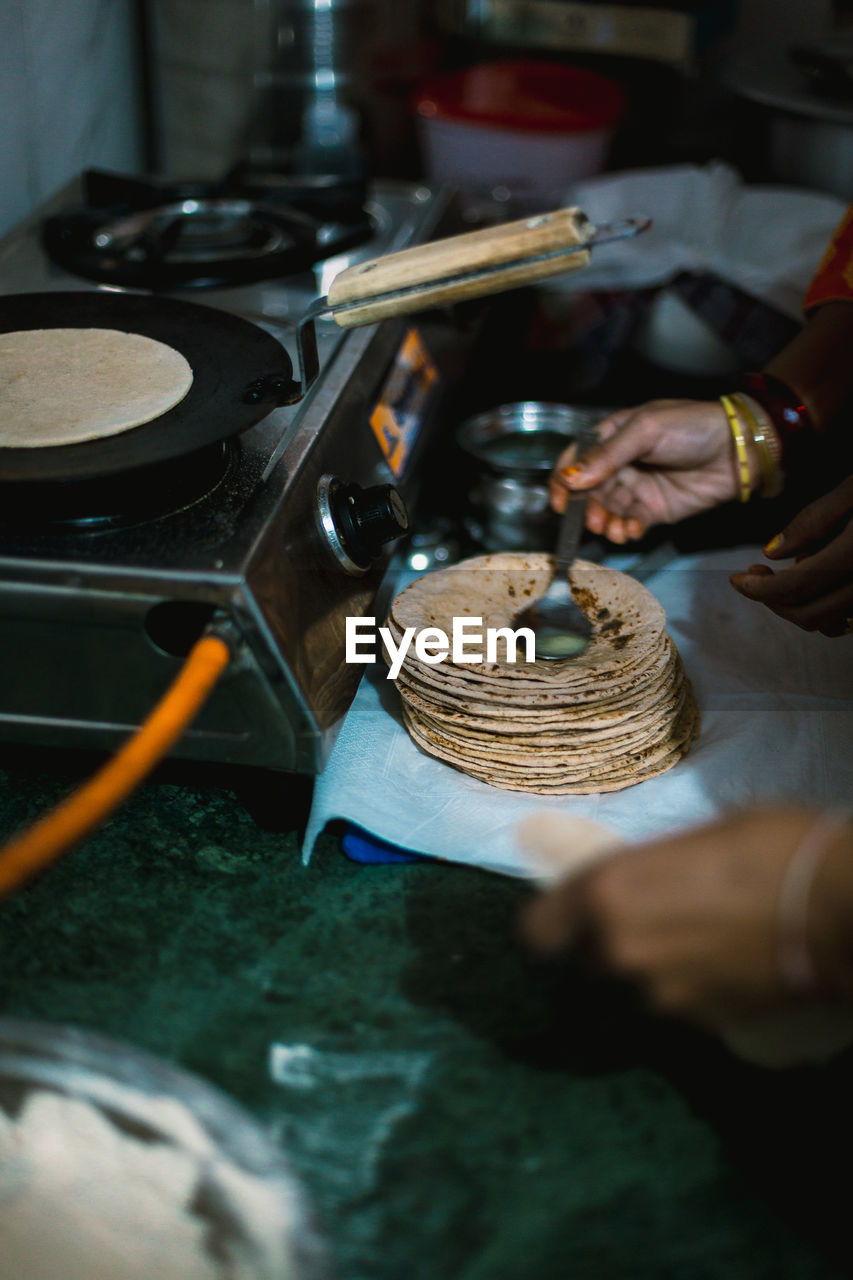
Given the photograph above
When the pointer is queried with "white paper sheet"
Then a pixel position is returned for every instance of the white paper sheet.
(777, 723)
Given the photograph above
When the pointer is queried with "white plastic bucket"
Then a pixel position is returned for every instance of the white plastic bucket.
(530, 127)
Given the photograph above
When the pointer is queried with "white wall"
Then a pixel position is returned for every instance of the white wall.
(69, 96)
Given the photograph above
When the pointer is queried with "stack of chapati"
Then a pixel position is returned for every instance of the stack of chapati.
(621, 712)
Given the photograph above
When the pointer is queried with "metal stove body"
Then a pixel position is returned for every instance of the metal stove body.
(97, 611)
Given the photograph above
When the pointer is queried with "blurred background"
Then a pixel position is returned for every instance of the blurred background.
(191, 87)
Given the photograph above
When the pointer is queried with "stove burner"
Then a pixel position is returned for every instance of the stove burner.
(129, 498)
(251, 226)
(197, 231)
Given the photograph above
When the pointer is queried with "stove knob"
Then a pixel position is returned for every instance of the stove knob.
(356, 522)
(368, 518)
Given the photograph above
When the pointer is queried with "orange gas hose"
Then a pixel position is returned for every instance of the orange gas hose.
(93, 802)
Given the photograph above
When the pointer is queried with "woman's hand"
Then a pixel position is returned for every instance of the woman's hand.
(816, 592)
(655, 464)
(693, 919)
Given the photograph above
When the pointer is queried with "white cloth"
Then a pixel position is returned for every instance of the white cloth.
(766, 240)
(777, 723)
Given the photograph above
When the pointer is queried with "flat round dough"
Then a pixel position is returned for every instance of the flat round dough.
(63, 386)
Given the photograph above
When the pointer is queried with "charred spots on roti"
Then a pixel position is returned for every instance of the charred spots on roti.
(613, 631)
(586, 600)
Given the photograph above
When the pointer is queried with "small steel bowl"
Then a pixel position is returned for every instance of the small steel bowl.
(511, 451)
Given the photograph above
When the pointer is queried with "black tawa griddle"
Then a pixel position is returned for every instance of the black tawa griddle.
(240, 373)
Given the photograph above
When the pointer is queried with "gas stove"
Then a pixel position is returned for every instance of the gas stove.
(279, 520)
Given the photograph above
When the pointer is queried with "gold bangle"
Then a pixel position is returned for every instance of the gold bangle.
(740, 448)
(765, 424)
(766, 441)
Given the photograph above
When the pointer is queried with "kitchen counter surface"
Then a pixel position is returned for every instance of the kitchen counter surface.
(458, 1111)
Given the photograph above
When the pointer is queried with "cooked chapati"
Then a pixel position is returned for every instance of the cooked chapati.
(64, 386)
(618, 714)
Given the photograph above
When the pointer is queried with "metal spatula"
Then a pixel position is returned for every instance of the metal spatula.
(562, 630)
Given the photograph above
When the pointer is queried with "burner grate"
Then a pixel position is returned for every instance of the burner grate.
(247, 228)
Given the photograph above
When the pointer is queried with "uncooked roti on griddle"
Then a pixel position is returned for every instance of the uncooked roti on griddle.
(64, 386)
(618, 714)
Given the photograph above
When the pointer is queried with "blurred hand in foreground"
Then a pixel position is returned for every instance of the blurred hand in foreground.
(656, 464)
(692, 919)
(816, 592)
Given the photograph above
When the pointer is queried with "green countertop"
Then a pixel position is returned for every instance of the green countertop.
(454, 1109)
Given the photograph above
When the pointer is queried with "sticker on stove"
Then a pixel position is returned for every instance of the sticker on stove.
(398, 415)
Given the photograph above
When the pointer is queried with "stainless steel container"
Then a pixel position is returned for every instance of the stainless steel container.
(282, 83)
(314, 65)
(510, 451)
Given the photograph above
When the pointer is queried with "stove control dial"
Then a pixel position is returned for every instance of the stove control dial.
(358, 522)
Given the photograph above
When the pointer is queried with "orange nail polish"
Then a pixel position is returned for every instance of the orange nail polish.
(568, 472)
(773, 545)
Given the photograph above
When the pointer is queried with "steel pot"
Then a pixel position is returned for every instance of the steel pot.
(510, 451)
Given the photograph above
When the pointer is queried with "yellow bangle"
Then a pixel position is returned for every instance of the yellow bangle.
(740, 448)
(766, 441)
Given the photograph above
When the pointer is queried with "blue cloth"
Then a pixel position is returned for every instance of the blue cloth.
(360, 846)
